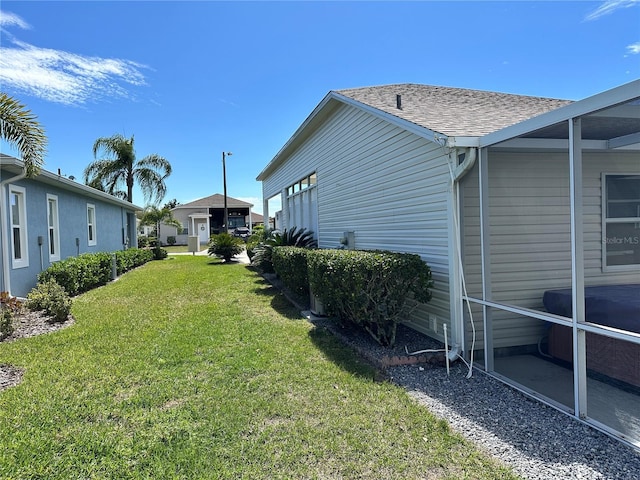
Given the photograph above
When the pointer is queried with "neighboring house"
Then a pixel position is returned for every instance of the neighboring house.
(511, 200)
(255, 219)
(49, 218)
(205, 217)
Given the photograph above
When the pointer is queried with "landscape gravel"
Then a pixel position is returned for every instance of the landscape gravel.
(537, 441)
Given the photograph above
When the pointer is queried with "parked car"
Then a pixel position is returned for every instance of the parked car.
(242, 232)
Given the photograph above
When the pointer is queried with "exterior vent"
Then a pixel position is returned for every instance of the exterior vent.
(399, 102)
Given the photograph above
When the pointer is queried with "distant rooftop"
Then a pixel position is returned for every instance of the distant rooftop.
(215, 201)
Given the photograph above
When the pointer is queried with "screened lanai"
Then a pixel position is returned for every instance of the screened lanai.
(551, 251)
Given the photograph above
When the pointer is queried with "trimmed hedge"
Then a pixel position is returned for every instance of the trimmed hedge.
(90, 270)
(290, 263)
(372, 289)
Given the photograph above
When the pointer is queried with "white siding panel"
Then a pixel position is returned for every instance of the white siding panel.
(388, 186)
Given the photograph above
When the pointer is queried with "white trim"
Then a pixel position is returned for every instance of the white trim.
(22, 224)
(92, 240)
(53, 200)
(605, 267)
(577, 267)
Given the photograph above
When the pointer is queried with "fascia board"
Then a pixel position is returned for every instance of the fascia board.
(600, 101)
(464, 142)
(66, 184)
(423, 132)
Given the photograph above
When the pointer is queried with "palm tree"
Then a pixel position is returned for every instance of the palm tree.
(122, 168)
(21, 129)
(155, 216)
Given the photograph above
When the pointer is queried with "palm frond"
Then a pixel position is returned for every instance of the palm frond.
(20, 129)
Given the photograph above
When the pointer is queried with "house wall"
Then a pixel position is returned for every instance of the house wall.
(530, 244)
(111, 229)
(388, 186)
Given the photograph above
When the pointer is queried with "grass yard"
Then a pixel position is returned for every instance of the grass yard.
(189, 368)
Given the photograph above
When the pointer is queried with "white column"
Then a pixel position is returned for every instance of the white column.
(577, 268)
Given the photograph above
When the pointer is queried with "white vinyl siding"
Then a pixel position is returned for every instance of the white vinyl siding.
(388, 186)
(18, 221)
(53, 225)
(91, 225)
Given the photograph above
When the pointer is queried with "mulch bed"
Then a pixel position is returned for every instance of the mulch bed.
(27, 324)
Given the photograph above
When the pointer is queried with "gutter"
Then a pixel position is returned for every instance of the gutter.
(6, 279)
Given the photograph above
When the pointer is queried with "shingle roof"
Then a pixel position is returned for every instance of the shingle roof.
(453, 111)
(215, 201)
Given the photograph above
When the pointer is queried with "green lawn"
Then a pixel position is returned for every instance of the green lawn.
(189, 368)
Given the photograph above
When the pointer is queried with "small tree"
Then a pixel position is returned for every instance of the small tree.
(225, 246)
(154, 216)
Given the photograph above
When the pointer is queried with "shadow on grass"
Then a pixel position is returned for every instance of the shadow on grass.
(336, 350)
(221, 263)
(343, 356)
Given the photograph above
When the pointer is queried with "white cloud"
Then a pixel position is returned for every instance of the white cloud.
(610, 6)
(634, 48)
(9, 19)
(60, 76)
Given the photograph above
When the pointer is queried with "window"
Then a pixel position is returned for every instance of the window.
(18, 220)
(621, 221)
(300, 185)
(91, 224)
(54, 230)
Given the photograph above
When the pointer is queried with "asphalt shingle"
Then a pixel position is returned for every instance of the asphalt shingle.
(453, 111)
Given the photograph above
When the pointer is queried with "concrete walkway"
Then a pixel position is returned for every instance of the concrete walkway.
(242, 258)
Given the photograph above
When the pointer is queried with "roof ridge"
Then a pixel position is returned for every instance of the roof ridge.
(445, 87)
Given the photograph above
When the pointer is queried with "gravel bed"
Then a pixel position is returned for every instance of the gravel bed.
(537, 441)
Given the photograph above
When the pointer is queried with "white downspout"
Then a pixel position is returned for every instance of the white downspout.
(456, 176)
(6, 280)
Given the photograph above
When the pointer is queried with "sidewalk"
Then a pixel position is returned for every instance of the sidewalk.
(242, 258)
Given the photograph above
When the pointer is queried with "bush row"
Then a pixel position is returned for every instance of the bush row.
(373, 289)
(290, 263)
(90, 270)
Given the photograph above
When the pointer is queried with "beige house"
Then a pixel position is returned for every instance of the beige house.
(527, 209)
(205, 217)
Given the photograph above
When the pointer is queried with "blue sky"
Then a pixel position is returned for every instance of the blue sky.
(193, 79)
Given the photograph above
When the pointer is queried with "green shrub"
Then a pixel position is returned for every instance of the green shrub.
(79, 274)
(290, 263)
(258, 235)
(225, 246)
(143, 241)
(90, 270)
(133, 257)
(9, 306)
(6, 323)
(295, 237)
(50, 298)
(159, 253)
(372, 289)
(171, 240)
